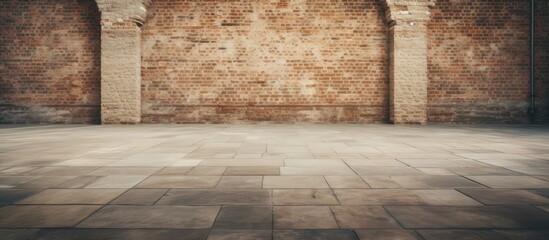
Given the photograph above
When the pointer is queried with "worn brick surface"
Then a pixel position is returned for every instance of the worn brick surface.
(49, 61)
(479, 61)
(231, 61)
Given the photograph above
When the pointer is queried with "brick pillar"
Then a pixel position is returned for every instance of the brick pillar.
(121, 60)
(408, 60)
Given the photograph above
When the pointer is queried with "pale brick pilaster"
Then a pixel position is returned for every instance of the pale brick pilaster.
(121, 60)
(408, 59)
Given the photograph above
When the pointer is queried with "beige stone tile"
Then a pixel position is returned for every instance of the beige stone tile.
(44, 216)
(346, 182)
(505, 196)
(187, 163)
(73, 196)
(243, 162)
(59, 171)
(104, 171)
(448, 197)
(169, 181)
(314, 163)
(434, 182)
(332, 171)
(45, 182)
(381, 182)
(240, 182)
(117, 181)
(303, 217)
(294, 182)
(207, 171)
(173, 171)
(247, 171)
(374, 162)
(182, 217)
(315, 197)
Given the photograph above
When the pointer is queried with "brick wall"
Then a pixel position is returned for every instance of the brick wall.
(49, 61)
(479, 61)
(542, 61)
(264, 60)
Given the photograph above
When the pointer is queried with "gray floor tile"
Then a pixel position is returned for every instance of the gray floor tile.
(303, 217)
(216, 197)
(44, 216)
(231, 234)
(304, 197)
(244, 217)
(361, 217)
(140, 197)
(177, 217)
(73, 196)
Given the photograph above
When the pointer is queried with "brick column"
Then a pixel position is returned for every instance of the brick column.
(121, 60)
(408, 60)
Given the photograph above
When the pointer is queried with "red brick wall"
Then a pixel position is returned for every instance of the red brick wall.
(264, 60)
(542, 61)
(479, 61)
(49, 61)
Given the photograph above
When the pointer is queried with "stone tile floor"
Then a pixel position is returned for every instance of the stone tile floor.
(274, 182)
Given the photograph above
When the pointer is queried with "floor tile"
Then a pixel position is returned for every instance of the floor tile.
(207, 171)
(378, 197)
(104, 171)
(385, 171)
(78, 182)
(381, 182)
(331, 171)
(173, 171)
(294, 182)
(122, 234)
(44, 216)
(117, 181)
(304, 197)
(254, 171)
(394, 234)
(314, 234)
(177, 217)
(244, 217)
(346, 182)
(231, 234)
(362, 217)
(73, 196)
(460, 234)
(505, 197)
(45, 182)
(510, 181)
(12, 181)
(18, 234)
(169, 181)
(470, 217)
(140, 197)
(216, 197)
(240, 182)
(434, 182)
(8, 196)
(303, 217)
(445, 197)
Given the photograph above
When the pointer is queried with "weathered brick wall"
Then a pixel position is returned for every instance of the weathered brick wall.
(542, 61)
(479, 61)
(264, 60)
(49, 61)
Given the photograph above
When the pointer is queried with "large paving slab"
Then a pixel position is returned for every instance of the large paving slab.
(274, 181)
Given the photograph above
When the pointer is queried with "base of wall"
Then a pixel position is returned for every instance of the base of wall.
(34, 114)
(275, 114)
(479, 113)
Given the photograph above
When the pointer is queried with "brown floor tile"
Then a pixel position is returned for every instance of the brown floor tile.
(378, 197)
(173, 171)
(470, 217)
(386, 171)
(246, 171)
(207, 171)
(304, 197)
(243, 234)
(294, 182)
(506, 196)
(460, 234)
(482, 171)
(445, 197)
(303, 217)
(182, 217)
(117, 181)
(179, 182)
(395, 234)
(240, 182)
(510, 181)
(140, 197)
(122, 234)
(331, 234)
(44, 216)
(244, 217)
(381, 182)
(45, 182)
(59, 171)
(12, 181)
(346, 182)
(78, 182)
(73, 196)
(362, 217)
(216, 197)
(104, 171)
(434, 182)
